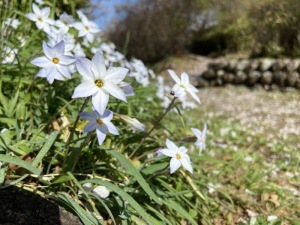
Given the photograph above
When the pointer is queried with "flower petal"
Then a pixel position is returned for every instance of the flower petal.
(66, 60)
(174, 76)
(116, 74)
(41, 61)
(31, 16)
(171, 145)
(107, 115)
(101, 136)
(90, 126)
(64, 70)
(197, 132)
(59, 48)
(98, 66)
(88, 116)
(85, 89)
(48, 51)
(100, 100)
(36, 10)
(111, 128)
(194, 95)
(186, 163)
(114, 90)
(174, 165)
(45, 12)
(167, 152)
(185, 78)
(83, 66)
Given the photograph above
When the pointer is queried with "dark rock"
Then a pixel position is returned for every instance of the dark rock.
(218, 65)
(292, 65)
(209, 74)
(253, 78)
(280, 78)
(240, 77)
(267, 77)
(254, 64)
(278, 65)
(20, 207)
(232, 65)
(228, 78)
(201, 83)
(292, 79)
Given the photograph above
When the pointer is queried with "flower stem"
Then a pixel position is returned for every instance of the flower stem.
(154, 126)
(84, 105)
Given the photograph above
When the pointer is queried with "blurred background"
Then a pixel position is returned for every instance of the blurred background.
(154, 29)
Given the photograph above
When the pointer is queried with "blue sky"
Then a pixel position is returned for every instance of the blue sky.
(108, 8)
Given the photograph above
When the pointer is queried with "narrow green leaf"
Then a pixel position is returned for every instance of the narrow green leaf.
(148, 218)
(19, 162)
(86, 218)
(154, 168)
(178, 209)
(12, 104)
(8, 121)
(137, 175)
(45, 148)
(62, 179)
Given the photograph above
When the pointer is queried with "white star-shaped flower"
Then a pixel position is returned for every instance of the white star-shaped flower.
(183, 85)
(99, 82)
(65, 22)
(100, 123)
(201, 137)
(86, 28)
(41, 18)
(14, 23)
(55, 63)
(178, 156)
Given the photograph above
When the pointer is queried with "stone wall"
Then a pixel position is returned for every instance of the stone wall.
(250, 72)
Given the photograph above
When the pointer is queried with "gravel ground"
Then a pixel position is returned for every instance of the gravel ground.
(274, 113)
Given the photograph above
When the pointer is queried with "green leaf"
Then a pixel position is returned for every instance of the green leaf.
(19, 162)
(178, 209)
(148, 218)
(62, 179)
(85, 217)
(45, 148)
(137, 175)
(8, 121)
(154, 168)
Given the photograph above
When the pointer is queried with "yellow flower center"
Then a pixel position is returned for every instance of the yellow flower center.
(202, 140)
(40, 19)
(178, 156)
(99, 83)
(99, 121)
(55, 60)
(87, 28)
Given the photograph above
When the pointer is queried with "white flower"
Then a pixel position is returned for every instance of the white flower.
(65, 22)
(178, 156)
(40, 2)
(14, 23)
(9, 55)
(41, 18)
(99, 82)
(183, 84)
(100, 123)
(134, 123)
(201, 137)
(86, 28)
(272, 218)
(55, 63)
(101, 191)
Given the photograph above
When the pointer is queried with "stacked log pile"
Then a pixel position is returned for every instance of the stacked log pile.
(250, 72)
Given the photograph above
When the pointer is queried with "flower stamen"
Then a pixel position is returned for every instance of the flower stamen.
(99, 83)
(87, 28)
(178, 156)
(99, 121)
(55, 60)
